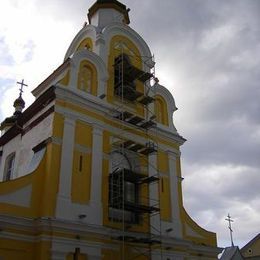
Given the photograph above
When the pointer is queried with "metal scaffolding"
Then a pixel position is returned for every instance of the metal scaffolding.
(130, 184)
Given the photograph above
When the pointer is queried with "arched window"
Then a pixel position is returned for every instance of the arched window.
(123, 45)
(9, 167)
(161, 111)
(122, 189)
(87, 77)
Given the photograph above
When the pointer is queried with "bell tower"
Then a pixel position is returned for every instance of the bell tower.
(95, 160)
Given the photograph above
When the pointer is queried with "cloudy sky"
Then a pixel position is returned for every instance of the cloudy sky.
(207, 53)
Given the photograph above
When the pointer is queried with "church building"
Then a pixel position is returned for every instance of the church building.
(91, 169)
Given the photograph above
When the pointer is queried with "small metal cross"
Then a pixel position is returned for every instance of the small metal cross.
(22, 85)
(230, 228)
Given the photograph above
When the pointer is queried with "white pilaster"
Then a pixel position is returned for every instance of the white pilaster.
(154, 195)
(67, 158)
(155, 220)
(175, 196)
(102, 52)
(97, 158)
(64, 195)
(96, 176)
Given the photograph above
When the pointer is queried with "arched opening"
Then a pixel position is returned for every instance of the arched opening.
(122, 190)
(161, 111)
(9, 167)
(87, 78)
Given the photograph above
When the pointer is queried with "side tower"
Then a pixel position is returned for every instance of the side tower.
(95, 160)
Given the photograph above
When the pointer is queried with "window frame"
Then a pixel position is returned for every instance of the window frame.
(9, 167)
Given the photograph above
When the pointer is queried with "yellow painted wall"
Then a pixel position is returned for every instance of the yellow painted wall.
(162, 162)
(133, 251)
(205, 237)
(83, 134)
(42, 250)
(86, 43)
(161, 110)
(164, 188)
(165, 199)
(80, 257)
(51, 183)
(15, 249)
(58, 125)
(109, 254)
(253, 249)
(66, 79)
(81, 175)
(81, 178)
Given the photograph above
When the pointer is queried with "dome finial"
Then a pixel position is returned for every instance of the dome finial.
(19, 103)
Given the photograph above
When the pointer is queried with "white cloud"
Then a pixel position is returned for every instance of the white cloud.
(32, 42)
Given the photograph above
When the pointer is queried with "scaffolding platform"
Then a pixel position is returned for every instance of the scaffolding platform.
(145, 100)
(133, 207)
(140, 209)
(125, 80)
(129, 93)
(133, 177)
(146, 149)
(130, 72)
(135, 120)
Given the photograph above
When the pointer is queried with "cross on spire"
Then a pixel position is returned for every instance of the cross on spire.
(229, 219)
(21, 88)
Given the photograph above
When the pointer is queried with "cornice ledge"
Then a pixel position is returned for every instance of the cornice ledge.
(174, 136)
(69, 94)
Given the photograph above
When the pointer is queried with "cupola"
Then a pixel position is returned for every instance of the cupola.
(104, 12)
(19, 105)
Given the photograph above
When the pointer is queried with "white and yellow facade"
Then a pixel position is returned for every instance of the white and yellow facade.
(55, 202)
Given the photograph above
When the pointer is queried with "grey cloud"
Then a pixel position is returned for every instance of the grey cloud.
(213, 198)
(222, 143)
(210, 49)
